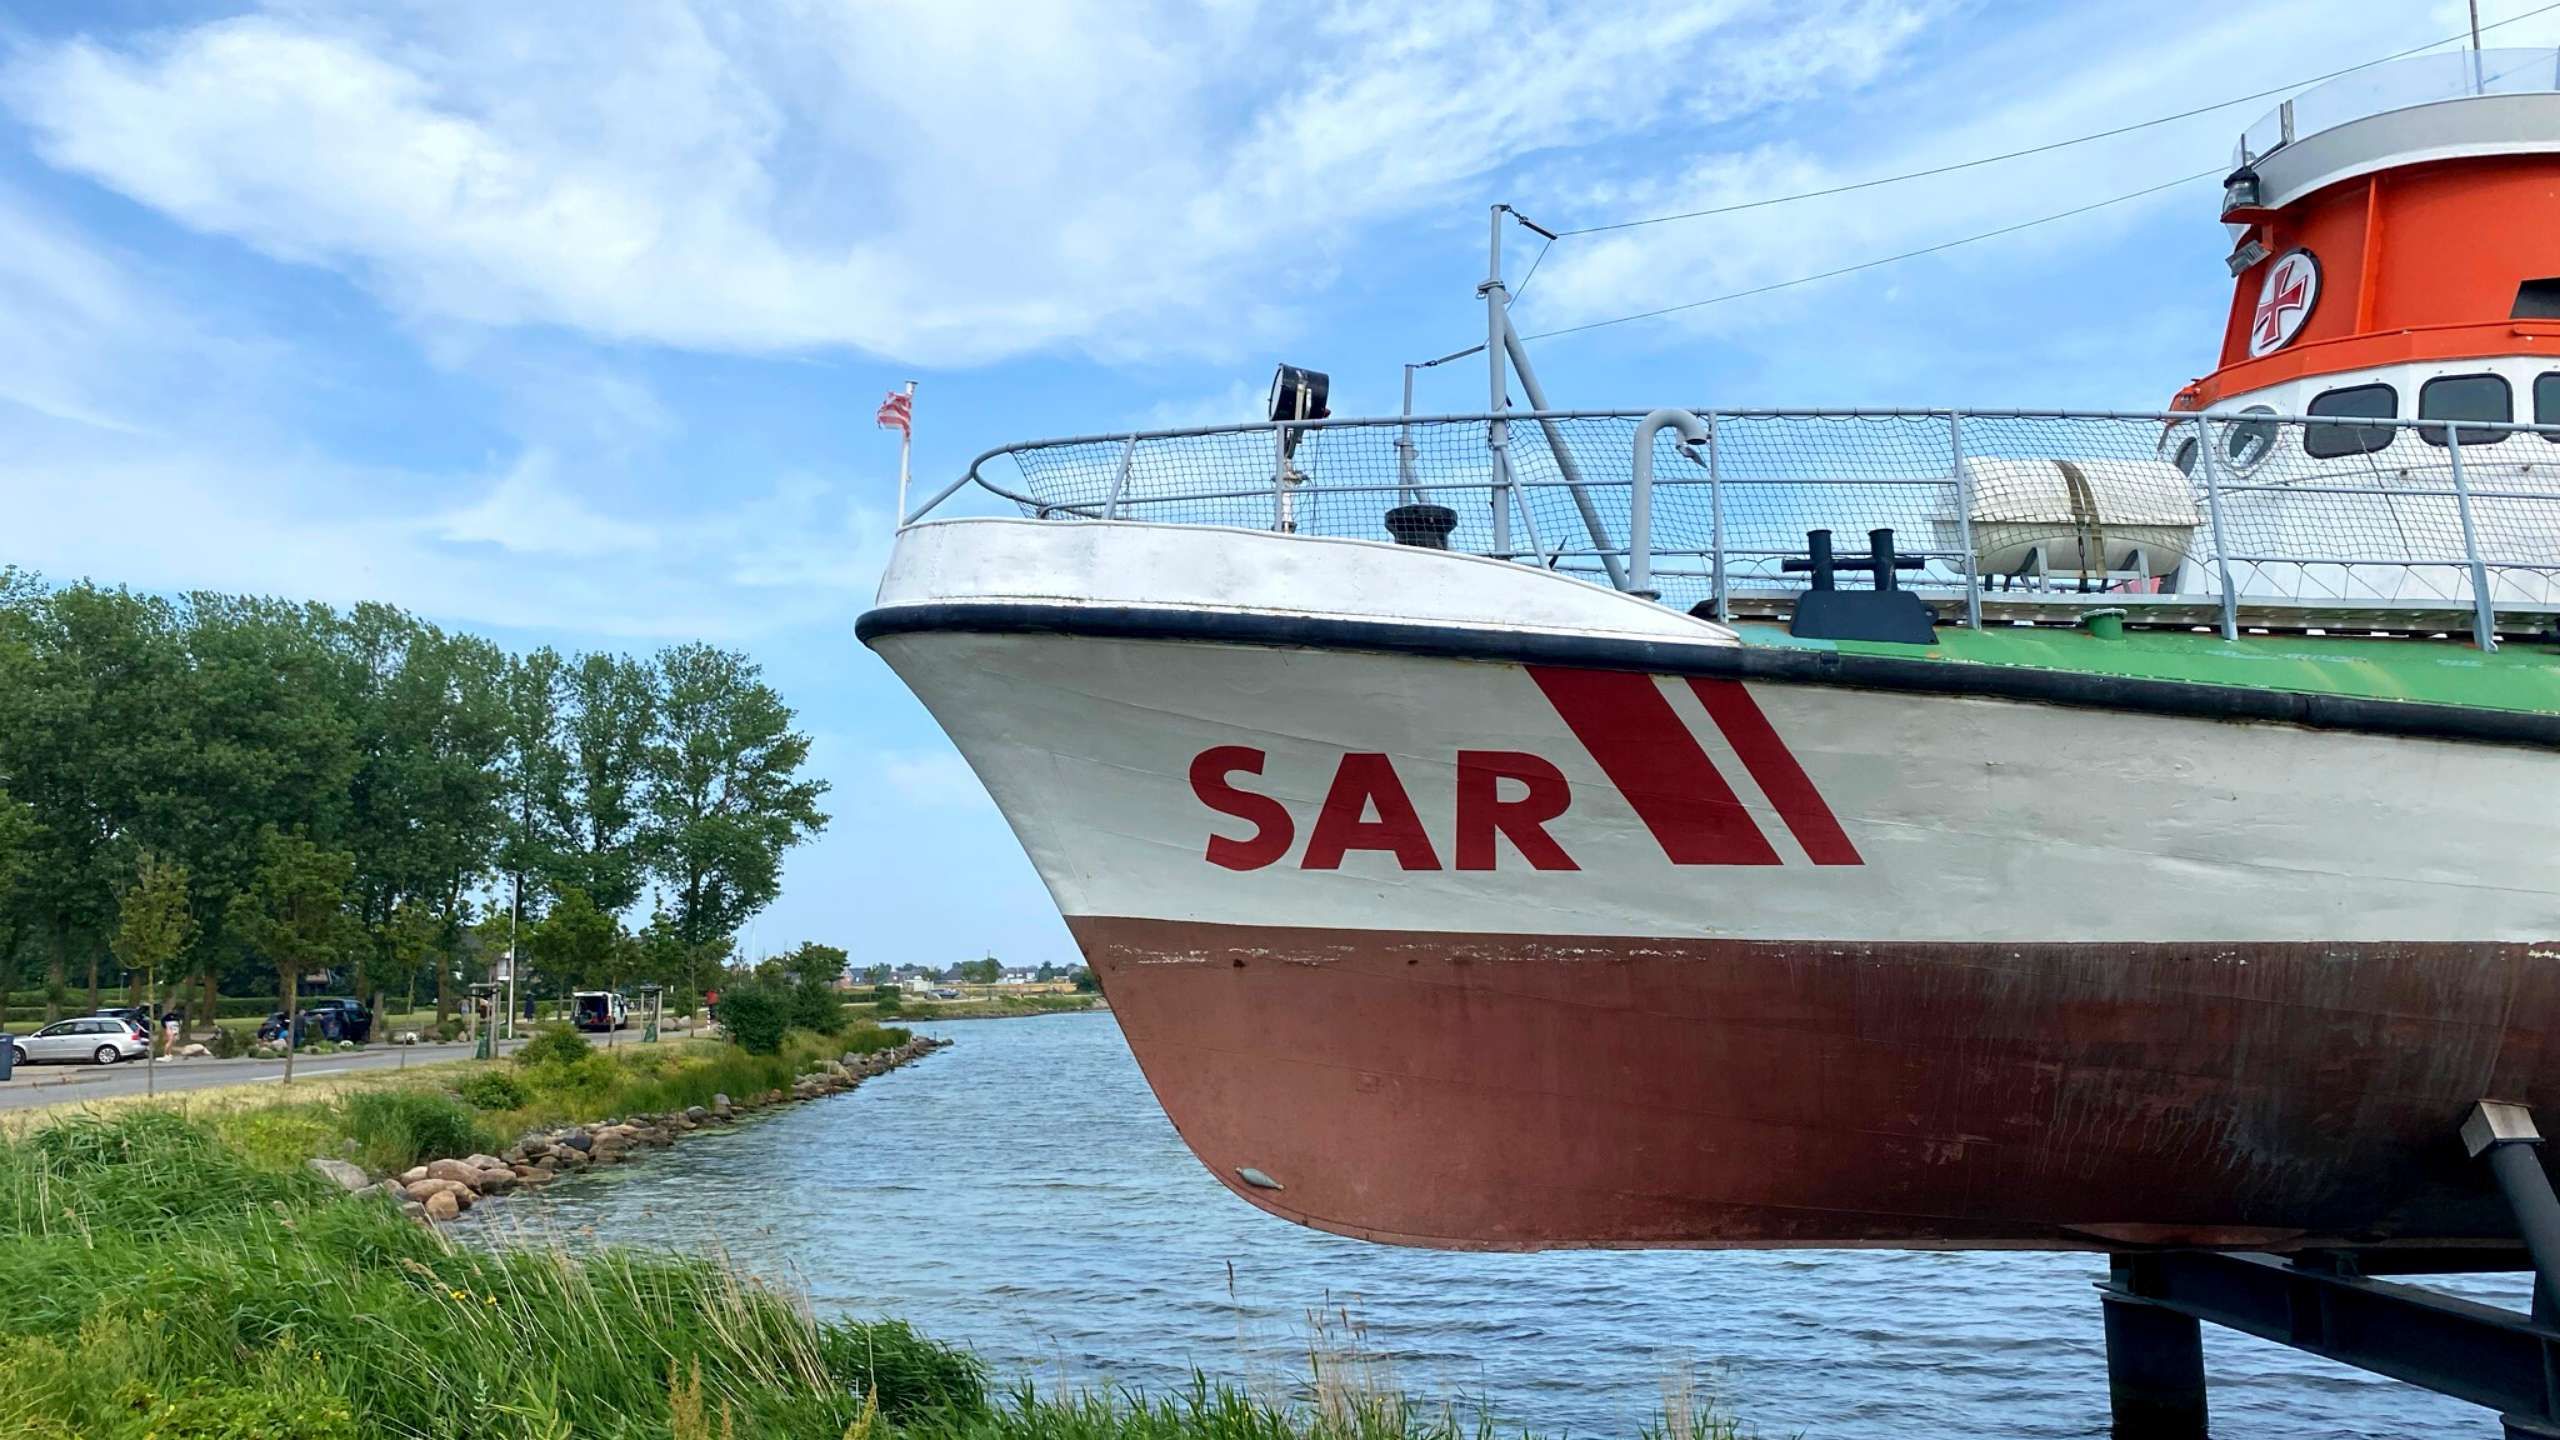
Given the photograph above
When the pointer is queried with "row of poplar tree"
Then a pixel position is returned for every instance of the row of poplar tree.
(235, 791)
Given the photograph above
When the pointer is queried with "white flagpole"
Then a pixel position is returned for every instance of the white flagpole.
(906, 447)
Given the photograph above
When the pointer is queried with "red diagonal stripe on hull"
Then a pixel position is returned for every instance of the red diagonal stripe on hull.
(1773, 766)
(1627, 724)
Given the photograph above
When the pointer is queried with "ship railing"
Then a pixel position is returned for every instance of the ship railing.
(2235, 520)
(2401, 84)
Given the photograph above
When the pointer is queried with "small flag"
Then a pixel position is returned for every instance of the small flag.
(898, 413)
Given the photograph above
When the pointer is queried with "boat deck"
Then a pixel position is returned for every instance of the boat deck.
(2517, 676)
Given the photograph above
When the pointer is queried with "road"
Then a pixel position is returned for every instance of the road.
(70, 1084)
(35, 1085)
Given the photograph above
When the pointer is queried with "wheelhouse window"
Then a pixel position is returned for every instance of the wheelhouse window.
(2466, 397)
(2546, 402)
(2366, 402)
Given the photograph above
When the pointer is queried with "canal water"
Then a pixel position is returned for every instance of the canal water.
(1021, 1193)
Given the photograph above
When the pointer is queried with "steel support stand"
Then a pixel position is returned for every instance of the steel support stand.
(2505, 1134)
(2155, 1361)
(2325, 1303)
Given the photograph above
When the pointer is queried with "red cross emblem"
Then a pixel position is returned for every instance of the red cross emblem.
(2285, 299)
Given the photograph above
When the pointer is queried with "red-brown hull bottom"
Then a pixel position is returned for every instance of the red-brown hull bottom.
(1522, 1092)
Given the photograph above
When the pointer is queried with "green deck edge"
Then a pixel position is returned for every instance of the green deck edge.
(2520, 675)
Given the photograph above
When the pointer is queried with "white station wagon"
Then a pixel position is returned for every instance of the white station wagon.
(102, 1039)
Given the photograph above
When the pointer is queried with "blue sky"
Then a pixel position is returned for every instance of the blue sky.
(565, 324)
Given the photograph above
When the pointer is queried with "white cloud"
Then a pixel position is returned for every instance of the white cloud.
(2061, 73)
(1240, 403)
(527, 513)
(940, 181)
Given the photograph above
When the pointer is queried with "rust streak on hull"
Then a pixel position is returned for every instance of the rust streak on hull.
(1526, 1092)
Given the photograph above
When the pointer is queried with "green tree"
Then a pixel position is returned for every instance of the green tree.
(725, 794)
(1082, 978)
(88, 735)
(878, 975)
(416, 937)
(153, 926)
(294, 913)
(611, 714)
(267, 741)
(535, 777)
(426, 799)
(811, 971)
(579, 946)
(981, 972)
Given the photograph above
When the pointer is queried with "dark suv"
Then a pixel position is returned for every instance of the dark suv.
(328, 1019)
(352, 1020)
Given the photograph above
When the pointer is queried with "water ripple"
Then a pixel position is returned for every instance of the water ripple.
(1022, 1194)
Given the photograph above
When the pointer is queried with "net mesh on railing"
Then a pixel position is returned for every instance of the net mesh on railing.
(2312, 512)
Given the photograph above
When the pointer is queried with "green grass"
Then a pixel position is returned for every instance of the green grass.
(146, 1264)
(183, 1277)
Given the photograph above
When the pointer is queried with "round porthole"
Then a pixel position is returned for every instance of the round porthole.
(2246, 441)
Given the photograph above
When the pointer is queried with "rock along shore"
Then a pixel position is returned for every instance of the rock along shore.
(443, 1188)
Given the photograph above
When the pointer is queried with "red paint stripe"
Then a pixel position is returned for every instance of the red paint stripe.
(1773, 766)
(1628, 725)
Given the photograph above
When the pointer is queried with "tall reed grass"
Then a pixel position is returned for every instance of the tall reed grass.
(168, 1277)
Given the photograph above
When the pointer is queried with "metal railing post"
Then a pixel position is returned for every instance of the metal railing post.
(1281, 519)
(1404, 445)
(1120, 481)
(1964, 520)
(1715, 514)
(1639, 576)
(2484, 612)
(2213, 507)
(1498, 432)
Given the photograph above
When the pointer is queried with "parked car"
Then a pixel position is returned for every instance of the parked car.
(308, 1026)
(92, 1039)
(946, 993)
(599, 1010)
(355, 1021)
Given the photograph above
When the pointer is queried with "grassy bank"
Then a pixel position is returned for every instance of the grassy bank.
(994, 1007)
(178, 1274)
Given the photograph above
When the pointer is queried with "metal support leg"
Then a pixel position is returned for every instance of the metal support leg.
(2505, 1133)
(2155, 1363)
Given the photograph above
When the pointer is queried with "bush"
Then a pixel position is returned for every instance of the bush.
(755, 1013)
(449, 1030)
(555, 1045)
(230, 1042)
(817, 1008)
(494, 1090)
(873, 1038)
(396, 1129)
